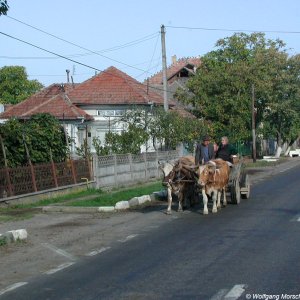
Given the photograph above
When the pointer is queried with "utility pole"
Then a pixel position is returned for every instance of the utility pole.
(164, 67)
(253, 125)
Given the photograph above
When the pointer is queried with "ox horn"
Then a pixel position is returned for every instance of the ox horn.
(212, 164)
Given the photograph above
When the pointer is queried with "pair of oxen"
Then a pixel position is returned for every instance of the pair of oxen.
(183, 178)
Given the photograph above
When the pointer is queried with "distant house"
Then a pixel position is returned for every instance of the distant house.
(178, 73)
(106, 97)
(55, 101)
(92, 108)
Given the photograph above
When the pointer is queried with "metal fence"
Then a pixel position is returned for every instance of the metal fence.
(40, 177)
(123, 169)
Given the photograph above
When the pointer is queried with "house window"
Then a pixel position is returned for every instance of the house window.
(110, 113)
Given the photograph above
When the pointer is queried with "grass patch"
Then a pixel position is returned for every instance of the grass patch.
(99, 198)
(59, 199)
(3, 241)
(264, 163)
(110, 198)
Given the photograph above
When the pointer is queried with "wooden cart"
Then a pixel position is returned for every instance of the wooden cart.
(239, 183)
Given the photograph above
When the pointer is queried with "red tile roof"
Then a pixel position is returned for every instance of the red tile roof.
(52, 99)
(112, 86)
(174, 69)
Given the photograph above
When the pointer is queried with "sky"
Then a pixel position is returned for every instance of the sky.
(85, 37)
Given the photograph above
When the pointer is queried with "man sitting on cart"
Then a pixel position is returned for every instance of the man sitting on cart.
(225, 150)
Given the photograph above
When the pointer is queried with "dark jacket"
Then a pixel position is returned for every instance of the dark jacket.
(226, 152)
(199, 155)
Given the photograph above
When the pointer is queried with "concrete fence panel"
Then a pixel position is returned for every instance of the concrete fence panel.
(122, 169)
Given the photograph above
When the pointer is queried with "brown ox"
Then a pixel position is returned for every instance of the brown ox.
(213, 178)
(179, 180)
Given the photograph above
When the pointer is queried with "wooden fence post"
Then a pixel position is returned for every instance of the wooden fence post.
(10, 192)
(73, 170)
(30, 165)
(53, 169)
(89, 162)
(33, 176)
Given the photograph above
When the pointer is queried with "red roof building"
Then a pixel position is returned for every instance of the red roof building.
(113, 87)
(178, 73)
(92, 108)
(179, 69)
(52, 100)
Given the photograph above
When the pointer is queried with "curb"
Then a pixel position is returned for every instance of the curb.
(13, 236)
(120, 206)
(74, 209)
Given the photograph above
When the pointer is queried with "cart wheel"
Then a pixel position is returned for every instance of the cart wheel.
(245, 186)
(235, 192)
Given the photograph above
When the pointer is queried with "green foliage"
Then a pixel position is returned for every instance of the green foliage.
(15, 86)
(3, 7)
(166, 129)
(282, 112)
(171, 128)
(110, 198)
(100, 150)
(12, 135)
(84, 150)
(42, 135)
(129, 141)
(3, 241)
(221, 89)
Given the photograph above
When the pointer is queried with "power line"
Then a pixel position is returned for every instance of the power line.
(48, 51)
(61, 56)
(150, 63)
(134, 42)
(153, 35)
(137, 41)
(233, 30)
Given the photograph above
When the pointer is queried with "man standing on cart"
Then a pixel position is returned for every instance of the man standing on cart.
(204, 151)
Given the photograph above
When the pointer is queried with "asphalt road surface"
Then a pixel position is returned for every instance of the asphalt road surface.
(246, 251)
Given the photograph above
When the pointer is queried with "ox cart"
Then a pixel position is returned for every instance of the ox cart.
(181, 178)
(239, 183)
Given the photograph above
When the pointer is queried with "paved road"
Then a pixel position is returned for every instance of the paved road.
(242, 252)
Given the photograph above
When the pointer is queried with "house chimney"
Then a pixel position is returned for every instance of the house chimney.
(174, 59)
(68, 78)
(73, 85)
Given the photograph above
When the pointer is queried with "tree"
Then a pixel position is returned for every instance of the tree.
(165, 128)
(128, 141)
(221, 89)
(3, 7)
(45, 138)
(15, 86)
(11, 133)
(43, 135)
(283, 109)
